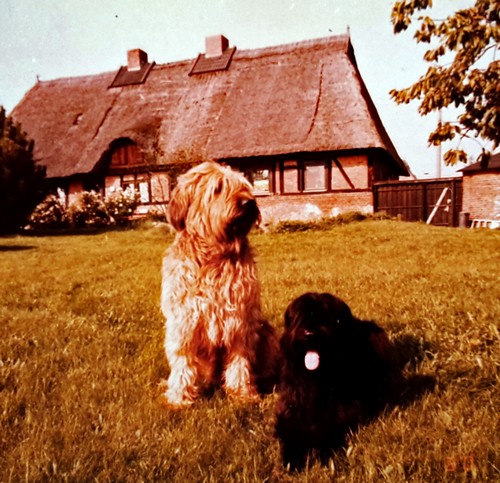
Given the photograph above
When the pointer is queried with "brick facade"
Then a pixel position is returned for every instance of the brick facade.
(275, 208)
(481, 194)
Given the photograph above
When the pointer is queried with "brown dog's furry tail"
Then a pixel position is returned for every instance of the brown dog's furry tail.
(266, 358)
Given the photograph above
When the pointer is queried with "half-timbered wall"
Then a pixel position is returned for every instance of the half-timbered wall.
(305, 187)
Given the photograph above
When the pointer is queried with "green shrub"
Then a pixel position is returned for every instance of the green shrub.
(326, 222)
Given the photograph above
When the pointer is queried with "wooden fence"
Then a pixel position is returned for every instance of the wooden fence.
(418, 200)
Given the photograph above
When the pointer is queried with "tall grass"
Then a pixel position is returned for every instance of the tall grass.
(82, 364)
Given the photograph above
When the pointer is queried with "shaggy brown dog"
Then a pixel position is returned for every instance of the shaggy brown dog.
(215, 332)
(334, 376)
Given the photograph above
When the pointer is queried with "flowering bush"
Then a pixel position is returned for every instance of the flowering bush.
(51, 212)
(120, 204)
(89, 210)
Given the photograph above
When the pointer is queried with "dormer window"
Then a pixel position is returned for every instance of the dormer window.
(124, 153)
(217, 57)
(135, 72)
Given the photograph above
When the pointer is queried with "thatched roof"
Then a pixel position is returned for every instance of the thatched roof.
(302, 97)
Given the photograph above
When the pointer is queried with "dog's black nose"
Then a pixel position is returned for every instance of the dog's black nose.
(250, 209)
(249, 204)
(308, 334)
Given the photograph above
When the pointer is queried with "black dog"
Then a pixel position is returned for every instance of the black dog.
(335, 374)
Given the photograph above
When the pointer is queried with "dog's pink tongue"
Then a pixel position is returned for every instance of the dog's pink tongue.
(311, 360)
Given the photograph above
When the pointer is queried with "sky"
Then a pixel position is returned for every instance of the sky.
(50, 39)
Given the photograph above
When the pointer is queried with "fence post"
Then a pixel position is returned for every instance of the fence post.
(454, 203)
(463, 219)
(424, 200)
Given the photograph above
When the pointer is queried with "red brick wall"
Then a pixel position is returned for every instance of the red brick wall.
(481, 195)
(356, 167)
(276, 208)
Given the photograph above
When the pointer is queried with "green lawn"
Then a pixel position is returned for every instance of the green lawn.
(82, 364)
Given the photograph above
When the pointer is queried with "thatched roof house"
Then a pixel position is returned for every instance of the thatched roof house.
(296, 118)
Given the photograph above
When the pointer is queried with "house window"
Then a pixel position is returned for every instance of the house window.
(140, 183)
(315, 176)
(144, 190)
(160, 184)
(261, 179)
(125, 153)
(304, 176)
(291, 177)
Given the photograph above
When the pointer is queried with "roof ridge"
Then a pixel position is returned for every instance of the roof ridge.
(75, 78)
(341, 40)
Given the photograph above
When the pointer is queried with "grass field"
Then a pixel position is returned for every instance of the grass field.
(82, 364)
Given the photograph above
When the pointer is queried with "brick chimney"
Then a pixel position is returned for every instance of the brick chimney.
(215, 45)
(136, 59)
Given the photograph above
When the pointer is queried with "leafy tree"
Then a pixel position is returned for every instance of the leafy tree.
(464, 72)
(21, 179)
